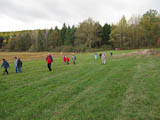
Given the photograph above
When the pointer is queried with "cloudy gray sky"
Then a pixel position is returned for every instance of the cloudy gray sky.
(40, 14)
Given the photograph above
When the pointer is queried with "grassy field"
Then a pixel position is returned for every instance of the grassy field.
(126, 88)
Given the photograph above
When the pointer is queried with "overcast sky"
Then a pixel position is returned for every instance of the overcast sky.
(40, 14)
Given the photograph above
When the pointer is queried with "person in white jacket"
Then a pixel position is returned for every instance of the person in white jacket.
(104, 58)
(95, 56)
(16, 64)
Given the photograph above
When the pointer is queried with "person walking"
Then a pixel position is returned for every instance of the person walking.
(67, 59)
(49, 60)
(19, 65)
(111, 53)
(100, 55)
(5, 64)
(16, 64)
(64, 59)
(95, 56)
(104, 58)
(74, 59)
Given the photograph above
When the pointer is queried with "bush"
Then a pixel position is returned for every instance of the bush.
(106, 47)
(57, 49)
(32, 48)
(81, 48)
(68, 48)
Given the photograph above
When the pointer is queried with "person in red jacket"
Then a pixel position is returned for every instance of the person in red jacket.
(49, 60)
(100, 55)
(64, 59)
(67, 59)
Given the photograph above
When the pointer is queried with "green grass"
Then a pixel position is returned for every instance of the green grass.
(123, 89)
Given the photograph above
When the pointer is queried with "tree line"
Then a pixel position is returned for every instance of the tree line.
(138, 32)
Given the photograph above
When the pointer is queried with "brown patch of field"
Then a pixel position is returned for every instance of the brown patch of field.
(27, 56)
(140, 53)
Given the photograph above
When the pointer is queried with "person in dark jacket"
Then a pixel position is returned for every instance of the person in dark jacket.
(111, 53)
(19, 65)
(5, 64)
(100, 55)
(49, 60)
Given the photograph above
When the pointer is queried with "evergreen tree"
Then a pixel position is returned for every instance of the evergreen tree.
(106, 34)
(63, 34)
(69, 36)
(1, 41)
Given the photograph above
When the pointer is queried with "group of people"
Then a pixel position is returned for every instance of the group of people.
(49, 60)
(17, 63)
(102, 56)
(66, 60)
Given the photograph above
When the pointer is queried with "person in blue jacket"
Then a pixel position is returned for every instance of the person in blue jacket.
(5, 64)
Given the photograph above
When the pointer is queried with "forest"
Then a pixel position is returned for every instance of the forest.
(141, 31)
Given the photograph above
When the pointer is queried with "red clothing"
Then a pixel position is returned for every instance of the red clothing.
(67, 59)
(48, 60)
(64, 59)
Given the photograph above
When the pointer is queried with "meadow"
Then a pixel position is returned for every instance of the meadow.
(125, 88)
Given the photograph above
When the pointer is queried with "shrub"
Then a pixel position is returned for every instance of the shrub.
(67, 48)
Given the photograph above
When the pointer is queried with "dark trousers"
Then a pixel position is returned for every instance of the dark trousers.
(18, 69)
(49, 66)
(5, 71)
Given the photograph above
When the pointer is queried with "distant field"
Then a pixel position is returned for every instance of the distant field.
(126, 88)
(30, 56)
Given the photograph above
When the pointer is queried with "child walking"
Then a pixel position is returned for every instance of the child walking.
(5, 64)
